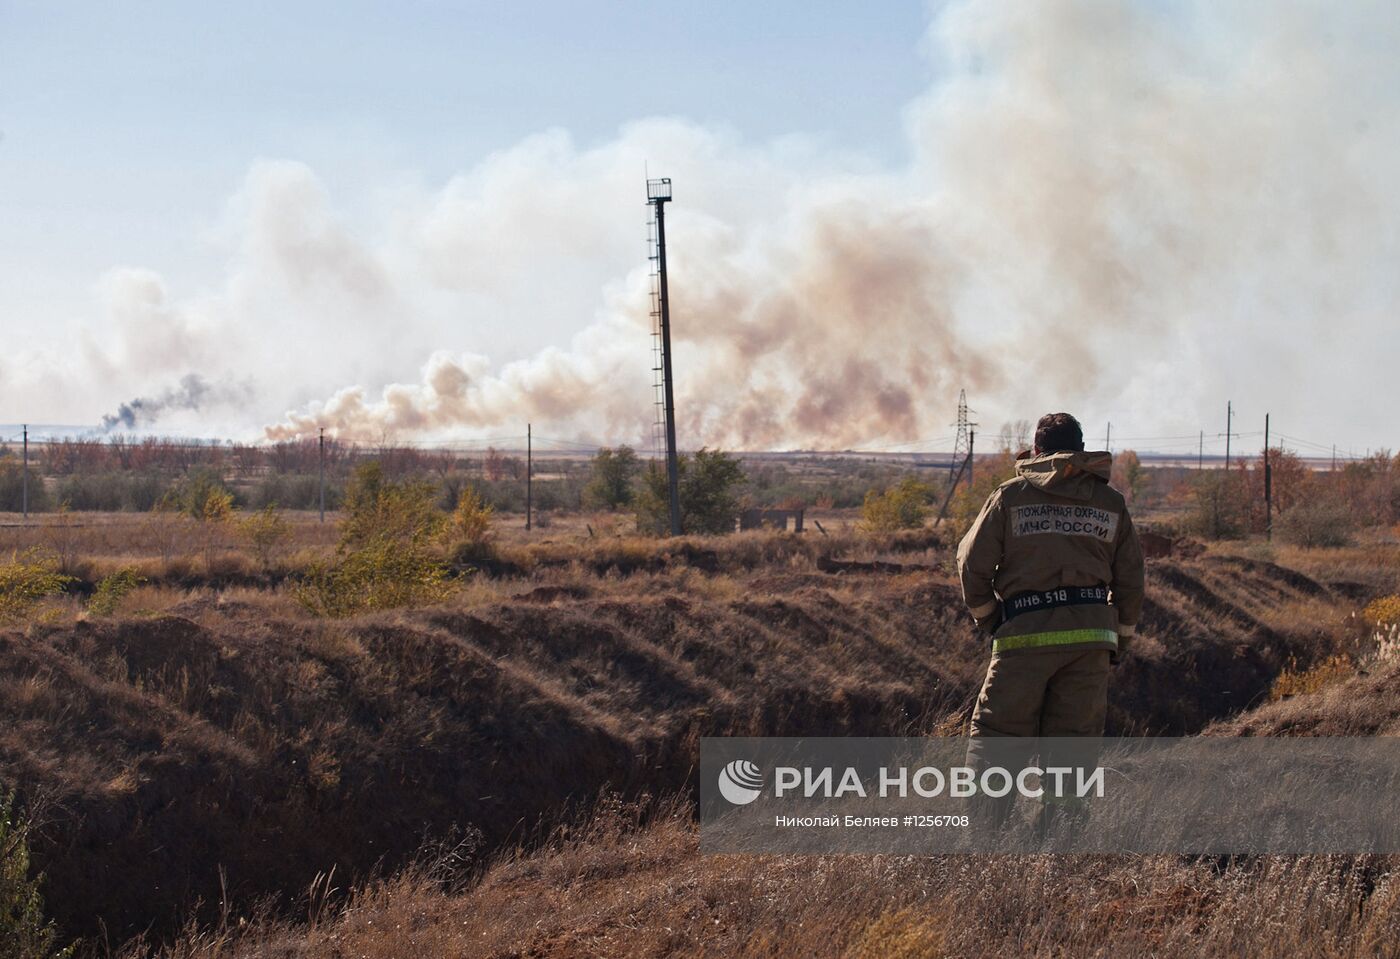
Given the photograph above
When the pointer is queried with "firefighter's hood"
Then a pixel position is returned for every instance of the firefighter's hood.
(1066, 474)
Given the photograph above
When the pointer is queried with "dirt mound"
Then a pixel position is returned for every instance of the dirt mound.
(274, 749)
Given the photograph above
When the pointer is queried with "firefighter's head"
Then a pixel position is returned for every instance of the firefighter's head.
(1058, 433)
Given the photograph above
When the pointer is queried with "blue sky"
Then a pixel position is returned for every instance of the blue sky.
(126, 124)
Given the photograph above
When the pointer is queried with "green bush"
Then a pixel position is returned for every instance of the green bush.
(24, 932)
(613, 474)
(265, 530)
(201, 495)
(112, 491)
(389, 553)
(708, 485)
(378, 575)
(377, 508)
(294, 491)
(12, 489)
(26, 580)
(112, 588)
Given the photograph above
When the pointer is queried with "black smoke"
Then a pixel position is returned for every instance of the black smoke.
(193, 392)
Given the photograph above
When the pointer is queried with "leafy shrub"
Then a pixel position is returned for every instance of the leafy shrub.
(471, 524)
(24, 932)
(377, 575)
(265, 530)
(12, 488)
(200, 495)
(25, 581)
(294, 491)
(613, 474)
(1220, 505)
(112, 589)
(377, 508)
(1383, 616)
(708, 484)
(388, 554)
(903, 506)
(216, 517)
(112, 490)
(1315, 523)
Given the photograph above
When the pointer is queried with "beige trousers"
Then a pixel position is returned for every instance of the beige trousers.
(1044, 693)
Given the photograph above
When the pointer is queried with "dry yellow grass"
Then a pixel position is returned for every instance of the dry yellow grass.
(209, 719)
(1297, 681)
(614, 888)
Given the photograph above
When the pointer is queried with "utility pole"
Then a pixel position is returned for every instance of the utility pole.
(971, 441)
(658, 194)
(529, 471)
(24, 483)
(1229, 420)
(321, 471)
(1201, 453)
(1268, 485)
(1108, 437)
(1334, 457)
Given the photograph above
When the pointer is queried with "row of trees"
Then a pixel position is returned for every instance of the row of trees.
(714, 485)
(79, 455)
(1310, 507)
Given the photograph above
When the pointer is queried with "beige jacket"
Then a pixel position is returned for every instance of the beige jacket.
(1057, 524)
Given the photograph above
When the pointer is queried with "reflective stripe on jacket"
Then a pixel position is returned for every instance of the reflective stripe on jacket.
(1057, 523)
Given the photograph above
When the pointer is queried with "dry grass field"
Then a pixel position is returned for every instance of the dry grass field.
(506, 771)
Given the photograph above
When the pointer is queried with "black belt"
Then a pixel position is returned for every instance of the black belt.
(1054, 598)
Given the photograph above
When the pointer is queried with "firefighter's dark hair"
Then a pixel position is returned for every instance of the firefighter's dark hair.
(1058, 433)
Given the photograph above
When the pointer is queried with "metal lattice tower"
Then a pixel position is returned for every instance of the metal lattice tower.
(658, 365)
(658, 419)
(658, 195)
(961, 446)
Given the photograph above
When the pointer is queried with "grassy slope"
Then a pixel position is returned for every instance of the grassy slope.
(621, 887)
(277, 747)
(619, 891)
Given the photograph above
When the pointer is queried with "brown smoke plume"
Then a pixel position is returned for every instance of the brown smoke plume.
(1102, 199)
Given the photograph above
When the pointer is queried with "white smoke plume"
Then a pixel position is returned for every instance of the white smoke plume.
(1129, 208)
(1133, 211)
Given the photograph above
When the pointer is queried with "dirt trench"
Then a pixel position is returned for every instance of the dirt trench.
(240, 755)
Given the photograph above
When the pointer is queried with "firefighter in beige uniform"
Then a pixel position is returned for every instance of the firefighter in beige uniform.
(1053, 570)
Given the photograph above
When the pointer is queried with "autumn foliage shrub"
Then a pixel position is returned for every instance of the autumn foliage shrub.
(265, 530)
(389, 553)
(903, 506)
(470, 525)
(25, 581)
